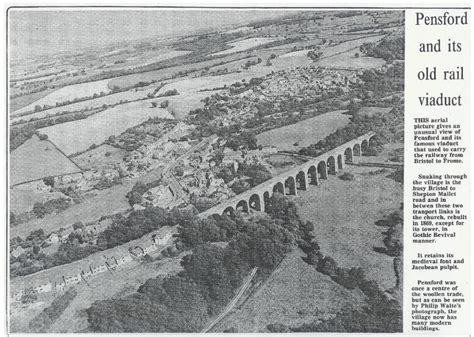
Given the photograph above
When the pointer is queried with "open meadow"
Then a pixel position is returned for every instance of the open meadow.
(309, 131)
(68, 93)
(37, 159)
(71, 137)
(242, 45)
(293, 295)
(347, 232)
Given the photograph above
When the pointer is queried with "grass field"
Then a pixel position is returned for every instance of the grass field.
(371, 111)
(79, 135)
(95, 205)
(37, 159)
(97, 158)
(347, 232)
(348, 45)
(294, 294)
(23, 199)
(22, 101)
(349, 61)
(98, 102)
(242, 45)
(129, 80)
(180, 105)
(68, 93)
(305, 132)
(191, 85)
(105, 202)
(145, 58)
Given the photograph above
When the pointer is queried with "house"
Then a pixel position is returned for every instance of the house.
(150, 248)
(17, 296)
(59, 287)
(17, 251)
(86, 274)
(164, 235)
(111, 263)
(137, 252)
(124, 259)
(52, 239)
(74, 279)
(43, 288)
(138, 207)
(98, 269)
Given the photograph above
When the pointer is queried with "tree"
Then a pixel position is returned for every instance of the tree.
(39, 209)
(206, 267)
(13, 219)
(356, 55)
(164, 104)
(154, 104)
(36, 235)
(134, 198)
(78, 225)
(49, 181)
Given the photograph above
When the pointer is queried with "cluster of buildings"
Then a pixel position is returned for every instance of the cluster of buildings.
(314, 79)
(53, 280)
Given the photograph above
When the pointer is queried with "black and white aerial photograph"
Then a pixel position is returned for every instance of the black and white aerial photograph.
(205, 170)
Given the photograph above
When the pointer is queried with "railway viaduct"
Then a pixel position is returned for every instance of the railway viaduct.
(298, 178)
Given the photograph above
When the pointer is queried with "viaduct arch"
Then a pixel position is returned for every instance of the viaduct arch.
(289, 183)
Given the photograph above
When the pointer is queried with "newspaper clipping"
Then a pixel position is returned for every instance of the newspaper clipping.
(238, 170)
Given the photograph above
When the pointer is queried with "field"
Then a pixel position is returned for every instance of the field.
(242, 45)
(305, 132)
(294, 294)
(68, 93)
(105, 202)
(282, 63)
(97, 158)
(157, 75)
(25, 100)
(348, 45)
(190, 85)
(76, 136)
(37, 159)
(98, 102)
(349, 61)
(146, 58)
(360, 203)
(23, 199)
(95, 205)
(371, 111)
(180, 105)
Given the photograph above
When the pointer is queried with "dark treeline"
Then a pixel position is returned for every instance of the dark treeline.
(388, 49)
(211, 274)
